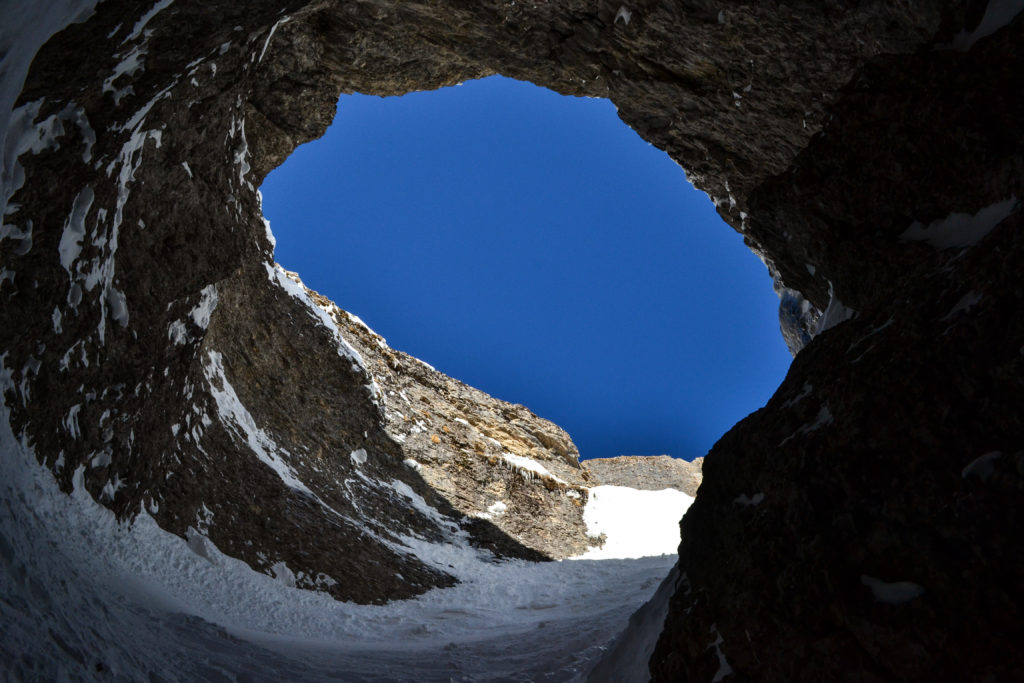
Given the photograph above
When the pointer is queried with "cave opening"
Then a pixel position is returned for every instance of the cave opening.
(533, 246)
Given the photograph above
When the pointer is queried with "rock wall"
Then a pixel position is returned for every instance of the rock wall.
(647, 472)
(859, 526)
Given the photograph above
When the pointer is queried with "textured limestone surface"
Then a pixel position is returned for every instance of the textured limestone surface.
(861, 526)
(646, 472)
(496, 463)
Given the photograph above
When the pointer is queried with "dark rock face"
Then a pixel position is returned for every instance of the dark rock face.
(860, 526)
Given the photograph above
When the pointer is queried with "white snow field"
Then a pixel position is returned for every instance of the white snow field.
(635, 523)
(83, 597)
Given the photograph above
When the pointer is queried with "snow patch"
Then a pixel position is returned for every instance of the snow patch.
(635, 523)
(961, 229)
(895, 593)
(431, 513)
(966, 303)
(823, 419)
(129, 65)
(496, 510)
(204, 309)
(998, 14)
(724, 669)
(283, 574)
(749, 501)
(358, 456)
(71, 421)
(805, 391)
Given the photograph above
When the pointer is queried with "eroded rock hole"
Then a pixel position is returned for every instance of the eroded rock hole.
(533, 246)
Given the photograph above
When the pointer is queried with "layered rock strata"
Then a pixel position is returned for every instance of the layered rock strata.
(859, 526)
(646, 472)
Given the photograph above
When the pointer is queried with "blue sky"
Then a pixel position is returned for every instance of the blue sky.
(533, 246)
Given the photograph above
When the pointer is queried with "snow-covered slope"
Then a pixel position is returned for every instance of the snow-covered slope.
(85, 596)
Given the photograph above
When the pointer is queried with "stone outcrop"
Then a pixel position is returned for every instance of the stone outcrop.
(862, 525)
(496, 463)
(646, 472)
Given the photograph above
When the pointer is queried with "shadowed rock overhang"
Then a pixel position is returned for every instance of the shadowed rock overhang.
(868, 152)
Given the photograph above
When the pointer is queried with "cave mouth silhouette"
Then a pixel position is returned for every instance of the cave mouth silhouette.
(532, 245)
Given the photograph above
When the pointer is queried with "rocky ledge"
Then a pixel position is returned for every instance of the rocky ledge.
(647, 472)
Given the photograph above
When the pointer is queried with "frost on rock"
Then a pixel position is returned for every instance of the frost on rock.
(130, 64)
(241, 153)
(529, 468)
(966, 303)
(962, 229)
(204, 309)
(291, 284)
(74, 229)
(176, 333)
(24, 27)
(71, 421)
(26, 136)
(200, 314)
(724, 669)
(237, 420)
(140, 25)
(270, 34)
(495, 510)
(833, 315)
